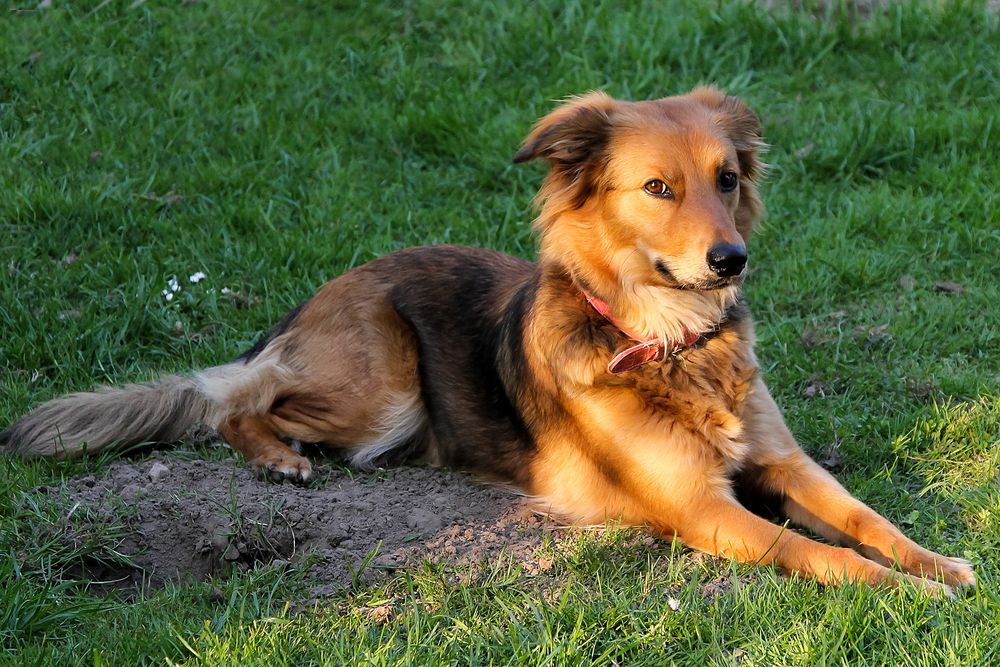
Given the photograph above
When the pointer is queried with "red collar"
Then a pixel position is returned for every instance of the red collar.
(648, 350)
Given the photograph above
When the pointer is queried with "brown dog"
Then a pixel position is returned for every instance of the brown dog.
(615, 378)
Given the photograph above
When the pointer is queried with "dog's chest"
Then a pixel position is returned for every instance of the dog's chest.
(702, 394)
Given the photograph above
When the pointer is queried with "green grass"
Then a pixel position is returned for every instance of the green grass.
(273, 145)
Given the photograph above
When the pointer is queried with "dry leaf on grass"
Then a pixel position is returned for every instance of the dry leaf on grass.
(813, 338)
(814, 388)
(873, 335)
(33, 58)
(379, 614)
(831, 461)
(948, 287)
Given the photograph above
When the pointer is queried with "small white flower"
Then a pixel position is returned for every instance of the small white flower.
(169, 296)
(197, 277)
(226, 290)
(173, 284)
(673, 603)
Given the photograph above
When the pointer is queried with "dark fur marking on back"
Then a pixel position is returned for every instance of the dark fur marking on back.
(464, 385)
(281, 327)
(510, 357)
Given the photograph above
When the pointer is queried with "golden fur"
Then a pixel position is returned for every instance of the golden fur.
(477, 360)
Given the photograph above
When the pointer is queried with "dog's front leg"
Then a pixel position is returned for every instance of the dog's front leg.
(721, 526)
(811, 497)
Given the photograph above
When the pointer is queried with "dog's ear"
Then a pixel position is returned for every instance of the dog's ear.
(572, 134)
(572, 139)
(740, 124)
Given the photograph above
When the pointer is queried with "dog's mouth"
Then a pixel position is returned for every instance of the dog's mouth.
(702, 285)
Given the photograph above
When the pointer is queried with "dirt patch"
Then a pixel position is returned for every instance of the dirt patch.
(183, 520)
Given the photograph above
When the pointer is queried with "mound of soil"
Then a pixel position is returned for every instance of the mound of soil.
(187, 519)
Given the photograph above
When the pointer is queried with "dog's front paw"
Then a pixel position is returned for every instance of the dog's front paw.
(296, 469)
(957, 572)
(935, 589)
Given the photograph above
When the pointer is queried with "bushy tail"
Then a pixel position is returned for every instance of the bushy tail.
(69, 426)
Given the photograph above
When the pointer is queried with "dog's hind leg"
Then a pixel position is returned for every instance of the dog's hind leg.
(356, 385)
(255, 438)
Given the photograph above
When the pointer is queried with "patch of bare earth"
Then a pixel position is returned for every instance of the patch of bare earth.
(186, 520)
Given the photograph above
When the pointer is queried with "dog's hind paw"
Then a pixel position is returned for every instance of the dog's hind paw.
(295, 469)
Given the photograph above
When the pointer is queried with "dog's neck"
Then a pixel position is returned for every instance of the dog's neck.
(646, 350)
(644, 306)
(650, 311)
(655, 311)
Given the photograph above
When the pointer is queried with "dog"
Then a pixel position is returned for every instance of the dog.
(615, 378)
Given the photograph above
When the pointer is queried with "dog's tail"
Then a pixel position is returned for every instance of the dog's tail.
(160, 411)
(69, 426)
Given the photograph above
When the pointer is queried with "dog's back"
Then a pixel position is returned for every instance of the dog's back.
(411, 355)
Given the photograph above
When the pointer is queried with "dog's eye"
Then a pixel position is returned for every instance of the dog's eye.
(658, 188)
(728, 180)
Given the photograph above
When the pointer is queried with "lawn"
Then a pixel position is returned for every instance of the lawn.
(271, 146)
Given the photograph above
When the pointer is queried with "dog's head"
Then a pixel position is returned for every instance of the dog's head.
(648, 198)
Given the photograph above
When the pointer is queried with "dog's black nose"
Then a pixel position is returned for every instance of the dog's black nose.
(727, 259)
